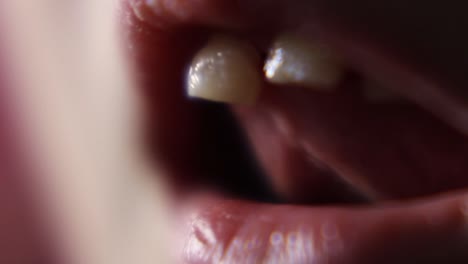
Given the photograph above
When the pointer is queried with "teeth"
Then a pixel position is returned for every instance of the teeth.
(374, 92)
(295, 60)
(225, 70)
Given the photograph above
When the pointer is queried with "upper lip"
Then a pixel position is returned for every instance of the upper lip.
(217, 227)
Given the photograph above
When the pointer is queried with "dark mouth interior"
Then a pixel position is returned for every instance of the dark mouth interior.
(236, 170)
(206, 145)
(238, 174)
(228, 158)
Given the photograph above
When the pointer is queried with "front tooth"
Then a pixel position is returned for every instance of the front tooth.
(225, 70)
(295, 60)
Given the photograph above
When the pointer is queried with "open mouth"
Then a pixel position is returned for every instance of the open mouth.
(360, 160)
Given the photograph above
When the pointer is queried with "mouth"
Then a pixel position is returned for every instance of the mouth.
(369, 169)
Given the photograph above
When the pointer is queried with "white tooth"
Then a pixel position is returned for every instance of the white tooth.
(374, 92)
(295, 60)
(225, 70)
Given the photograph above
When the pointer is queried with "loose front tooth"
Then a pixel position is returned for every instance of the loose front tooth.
(295, 60)
(225, 70)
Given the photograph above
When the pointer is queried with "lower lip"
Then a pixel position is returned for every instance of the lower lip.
(429, 231)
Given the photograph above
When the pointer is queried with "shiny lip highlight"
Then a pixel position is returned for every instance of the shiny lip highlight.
(430, 231)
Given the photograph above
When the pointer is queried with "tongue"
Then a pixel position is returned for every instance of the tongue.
(312, 144)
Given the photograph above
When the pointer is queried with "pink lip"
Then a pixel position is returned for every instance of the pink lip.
(237, 231)
(431, 231)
